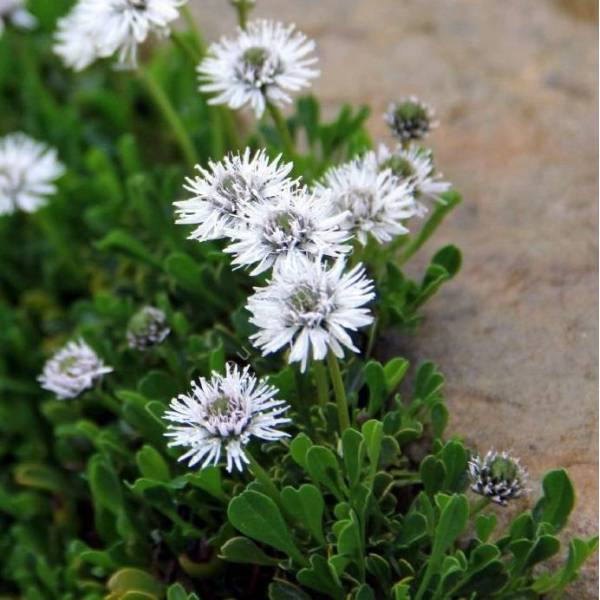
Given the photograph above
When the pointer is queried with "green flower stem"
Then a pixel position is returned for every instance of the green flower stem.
(243, 8)
(478, 506)
(339, 391)
(186, 48)
(170, 115)
(193, 27)
(321, 382)
(371, 341)
(430, 226)
(283, 130)
(264, 479)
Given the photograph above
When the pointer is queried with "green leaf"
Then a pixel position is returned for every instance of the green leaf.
(453, 520)
(394, 372)
(374, 375)
(134, 580)
(245, 551)
(353, 449)
(158, 385)
(258, 517)
(306, 506)
(349, 541)
(208, 479)
(299, 448)
(414, 529)
(364, 592)
(120, 241)
(450, 258)
(558, 500)
(104, 485)
(373, 433)
(321, 577)
(433, 474)
(323, 467)
(284, 590)
(152, 465)
(485, 525)
(39, 476)
(455, 458)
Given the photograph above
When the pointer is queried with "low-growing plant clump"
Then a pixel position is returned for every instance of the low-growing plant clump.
(191, 304)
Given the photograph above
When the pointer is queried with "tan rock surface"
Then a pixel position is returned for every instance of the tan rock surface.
(515, 83)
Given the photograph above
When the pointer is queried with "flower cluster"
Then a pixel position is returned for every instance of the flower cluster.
(95, 29)
(28, 170)
(498, 476)
(72, 370)
(147, 328)
(263, 64)
(410, 119)
(223, 414)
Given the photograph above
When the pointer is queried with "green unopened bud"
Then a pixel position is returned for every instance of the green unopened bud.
(410, 119)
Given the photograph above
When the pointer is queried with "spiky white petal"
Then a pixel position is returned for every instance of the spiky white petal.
(220, 192)
(15, 13)
(414, 165)
(498, 476)
(297, 223)
(262, 64)
(310, 307)
(222, 414)
(72, 370)
(103, 28)
(28, 170)
(374, 200)
(148, 327)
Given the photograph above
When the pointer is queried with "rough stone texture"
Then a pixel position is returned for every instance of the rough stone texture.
(516, 333)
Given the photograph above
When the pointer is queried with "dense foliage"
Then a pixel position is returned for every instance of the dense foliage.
(93, 504)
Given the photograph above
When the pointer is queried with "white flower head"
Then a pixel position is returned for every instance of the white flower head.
(28, 170)
(15, 13)
(263, 64)
(72, 370)
(102, 28)
(222, 191)
(374, 200)
(222, 414)
(310, 307)
(415, 166)
(297, 223)
(410, 119)
(148, 327)
(498, 476)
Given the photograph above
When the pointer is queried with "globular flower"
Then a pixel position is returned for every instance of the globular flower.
(15, 13)
(374, 200)
(72, 370)
(410, 119)
(102, 28)
(28, 170)
(310, 307)
(147, 328)
(222, 415)
(222, 191)
(265, 62)
(498, 476)
(415, 167)
(297, 223)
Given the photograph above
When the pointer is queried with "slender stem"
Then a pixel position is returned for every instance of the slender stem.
(191, 23)
(371, 341)
(170, 115)
(339, 391)
(264, 479)
(321, 382)
(283, 130)
(192, 53)
(242, 7)
(434, 221)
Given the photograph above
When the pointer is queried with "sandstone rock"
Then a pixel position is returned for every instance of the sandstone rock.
(516, 333)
